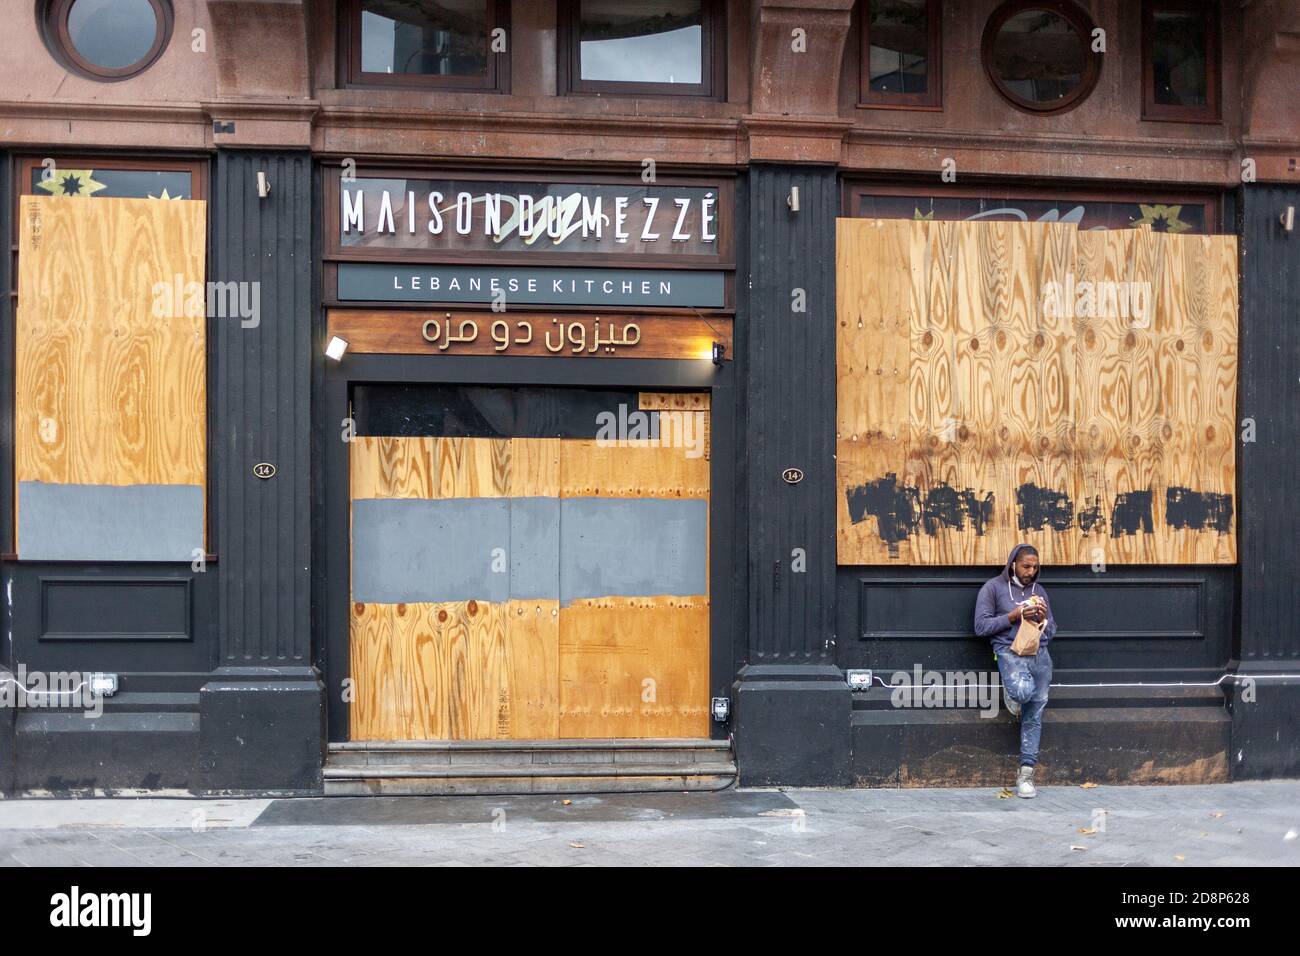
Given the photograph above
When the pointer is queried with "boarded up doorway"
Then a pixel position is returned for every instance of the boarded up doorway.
(529, 563)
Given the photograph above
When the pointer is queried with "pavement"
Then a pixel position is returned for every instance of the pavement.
(1229, 825)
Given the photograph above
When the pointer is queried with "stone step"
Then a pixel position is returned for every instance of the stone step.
(358, 768)
(681, 757)
(408, 780)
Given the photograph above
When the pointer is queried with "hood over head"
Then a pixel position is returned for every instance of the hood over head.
(1007, 573)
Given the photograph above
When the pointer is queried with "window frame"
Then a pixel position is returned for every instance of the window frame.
(496, 78)
(1212, 111)
(56, 31)
(23, 165)
(1032, 190)
(1078, 17)
(932, 99)
(713, 52)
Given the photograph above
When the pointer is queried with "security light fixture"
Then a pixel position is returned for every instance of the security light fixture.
(721, 709)
(792, 200)
(1288, 220)
(859, 680)
(103, 685)
(719, 353)
(263, 185)
(336, 348)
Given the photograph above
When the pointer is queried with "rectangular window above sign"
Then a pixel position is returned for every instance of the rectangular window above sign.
(1180, 60)
(451, 44)
(900, 51)
(670, 47)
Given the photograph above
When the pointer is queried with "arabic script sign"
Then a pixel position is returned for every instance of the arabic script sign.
(469, 215)
(560, 335)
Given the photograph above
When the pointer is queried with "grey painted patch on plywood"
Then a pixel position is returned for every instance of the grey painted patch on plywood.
(409, 550)
(534, 548)
(406, 550)
(59, 522)
(632, 547)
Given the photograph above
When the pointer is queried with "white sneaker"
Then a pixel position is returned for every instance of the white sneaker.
(1025, 783)
(1013, 706)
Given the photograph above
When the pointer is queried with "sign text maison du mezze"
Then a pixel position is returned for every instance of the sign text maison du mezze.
(474, 242)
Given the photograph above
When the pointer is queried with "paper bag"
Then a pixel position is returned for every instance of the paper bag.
(1026, 642)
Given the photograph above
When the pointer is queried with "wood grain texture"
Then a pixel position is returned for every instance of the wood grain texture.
(430, 467)
(635, 667)
(666, 401)
(590, 468)
(466, 670)
(110, 369)
(401, 332)
(529, 669)
(875, 312)
(1096, 433)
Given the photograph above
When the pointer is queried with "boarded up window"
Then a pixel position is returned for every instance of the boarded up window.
(1004, 382)
(110, 390)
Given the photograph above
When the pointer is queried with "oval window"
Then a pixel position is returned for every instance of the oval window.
(110, 39)
(1038, 54)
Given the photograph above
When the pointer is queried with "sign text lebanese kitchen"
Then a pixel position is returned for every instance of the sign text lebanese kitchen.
(414, 216)
(524, 285)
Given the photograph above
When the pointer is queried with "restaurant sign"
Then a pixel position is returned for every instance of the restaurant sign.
(506, 286)
(420, 218)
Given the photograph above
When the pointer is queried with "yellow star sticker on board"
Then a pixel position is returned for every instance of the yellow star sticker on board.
(71, 182)
(165, 195)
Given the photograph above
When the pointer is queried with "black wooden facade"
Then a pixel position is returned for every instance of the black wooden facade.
(247, 701)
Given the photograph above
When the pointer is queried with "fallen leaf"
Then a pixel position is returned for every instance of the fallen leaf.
(1179, 858)
(568, 802)
(1088, 786)
(1003, 794)
(1075, 846)
(578, 846)
(1217, 814)
(1088, 831)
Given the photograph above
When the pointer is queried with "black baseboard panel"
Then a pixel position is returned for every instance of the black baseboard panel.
(66, 753)
(262, 732)
(1265, 745)
(1117, 745)
(8, 758)
(792, 726)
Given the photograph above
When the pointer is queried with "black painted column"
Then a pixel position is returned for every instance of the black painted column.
(7, 714)
(792, 705)
(262, 724)
(1264, 742)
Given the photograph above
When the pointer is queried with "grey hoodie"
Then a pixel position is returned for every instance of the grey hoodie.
(996, 600)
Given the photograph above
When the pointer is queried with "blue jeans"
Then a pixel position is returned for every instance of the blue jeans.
(1026, 680)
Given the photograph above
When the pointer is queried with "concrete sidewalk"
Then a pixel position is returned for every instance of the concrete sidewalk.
(1243, 824)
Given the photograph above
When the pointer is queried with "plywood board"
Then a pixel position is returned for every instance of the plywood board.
(465, 670)
(110, 347)
(1029, 413)
(635, 667)
(873, 324)
(530, 669)
(638, 468)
